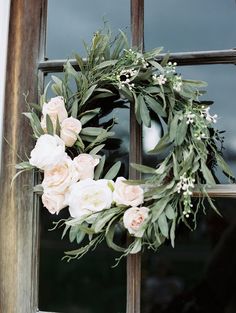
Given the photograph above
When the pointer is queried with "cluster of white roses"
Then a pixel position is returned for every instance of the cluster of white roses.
(70, 182)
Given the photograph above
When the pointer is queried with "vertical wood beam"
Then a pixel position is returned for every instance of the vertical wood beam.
(134, 261)
(18, 219)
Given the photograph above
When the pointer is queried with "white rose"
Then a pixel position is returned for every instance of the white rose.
(135, 219)
(55, 107)
(125, 194)
(54, 202)
(89, 196)
(85, 164)
(48, 151)
(60, 176)
(70, 128)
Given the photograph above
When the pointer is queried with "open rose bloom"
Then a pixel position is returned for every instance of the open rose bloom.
(134, 220)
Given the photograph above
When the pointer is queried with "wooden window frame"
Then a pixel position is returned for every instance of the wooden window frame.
(19, 218)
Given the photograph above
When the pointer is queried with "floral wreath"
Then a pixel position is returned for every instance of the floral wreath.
(70, 150)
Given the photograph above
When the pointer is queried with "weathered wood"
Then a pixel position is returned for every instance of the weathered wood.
(182, 58)
(134, 260)
(218, 191)
(18, 220)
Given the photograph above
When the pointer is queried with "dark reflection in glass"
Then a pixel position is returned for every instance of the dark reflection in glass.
(69, 23)
(88, 285)
(188, 25)
(221, 89)
(199, 274)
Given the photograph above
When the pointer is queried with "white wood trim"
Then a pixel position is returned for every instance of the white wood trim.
(4, 23)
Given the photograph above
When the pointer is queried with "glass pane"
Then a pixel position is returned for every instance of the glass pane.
(198, 275)
(88, 285)
(221, 89)
(188, 25)
(71, 22)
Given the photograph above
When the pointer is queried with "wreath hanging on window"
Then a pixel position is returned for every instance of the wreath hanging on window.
(70, 150)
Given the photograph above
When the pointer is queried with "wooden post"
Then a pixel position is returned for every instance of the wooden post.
(134, 261)
(18, 219)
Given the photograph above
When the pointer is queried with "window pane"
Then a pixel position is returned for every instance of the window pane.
(70, 22)
(188, 25)
(88, 285)
(198, 275)
(221, 89)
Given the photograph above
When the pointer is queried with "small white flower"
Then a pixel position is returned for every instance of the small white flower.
(205, 113)
(161, 79)
(177, 84)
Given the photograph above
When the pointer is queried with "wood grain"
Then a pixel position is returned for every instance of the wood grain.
(18, 219)
(182, 58)
(134, 260)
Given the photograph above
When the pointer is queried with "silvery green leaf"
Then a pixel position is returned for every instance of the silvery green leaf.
(35, 123)
(163, 225)
(79, 237)
(181, 132)
(155, 106)
(74, 109)
(88, 115)
(207, 174)
(195, 83)
(73, 232)
(88, 94)
(143, 168)
(144, 112)
(137, 246)
(170, 213)
(113, 171)
(95, 150)
(92, 131)
(172, 233)
(49, 125)
(173, 127)
(24, 165)
(224, 166)
(158, 208)
(99, 168)
(110, 238)
(105, 64)
(102, 219)
(80, 62)
(163, 143)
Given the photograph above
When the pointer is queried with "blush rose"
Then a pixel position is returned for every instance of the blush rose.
(70, 128)
(125, 194)
(134, 220)
(85, 164)
(60, 176)
(55, 108)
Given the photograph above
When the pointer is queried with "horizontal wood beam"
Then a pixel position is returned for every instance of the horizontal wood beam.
(218, 191)
(182, 58)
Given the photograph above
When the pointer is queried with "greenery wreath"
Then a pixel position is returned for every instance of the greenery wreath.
(70, 152)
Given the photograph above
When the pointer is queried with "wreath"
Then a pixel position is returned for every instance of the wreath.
(71, 148)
